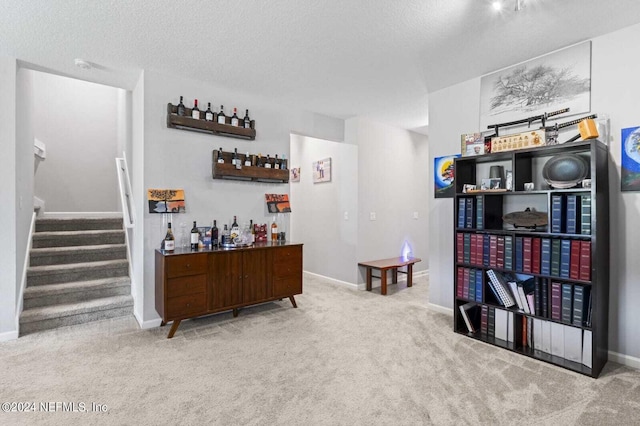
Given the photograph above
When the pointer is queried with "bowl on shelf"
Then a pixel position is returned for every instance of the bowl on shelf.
(529, 218)
(565, 170)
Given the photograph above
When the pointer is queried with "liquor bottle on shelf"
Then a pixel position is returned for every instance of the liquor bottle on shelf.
(169, 242)
(222, 119)
(276, 163)
(235, 229)
(274, 231)
(283, 163)
(181, 110)
(195, 237)
(259, 160)
(247, 160)
(235, 121)
(246, 120)
(225, 235)
(195, 112)
(267, 163)
(235, 160)
(220, 158)
(214, 234)
(208, 114)
(252, 231)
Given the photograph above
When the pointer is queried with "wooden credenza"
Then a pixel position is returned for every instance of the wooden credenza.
(191, 284)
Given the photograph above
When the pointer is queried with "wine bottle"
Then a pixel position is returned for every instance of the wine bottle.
(235, 160)
(220, 158)
(235, 229)
(169, 242)
(214, 234)
(246, 120)
(252, 231)
(195, 112)
(195, 237)
(235, 121)
(208, 115)
(222, 119)
(274, 231)
(180, 107)
(276, 163)
(283, 163)
(267, 163)
(259, 160)
(225, 235)
(247, 160)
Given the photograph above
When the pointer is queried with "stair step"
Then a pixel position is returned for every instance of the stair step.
(75, 254)
(48, 317)
(54, 274)
(77, 238)
(77, 224)
(74, 292)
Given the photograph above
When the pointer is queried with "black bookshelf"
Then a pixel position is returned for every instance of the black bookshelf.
(527, 332)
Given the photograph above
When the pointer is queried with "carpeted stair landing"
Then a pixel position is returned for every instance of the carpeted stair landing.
(78, 273)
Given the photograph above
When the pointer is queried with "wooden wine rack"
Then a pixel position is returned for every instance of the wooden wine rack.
(253, 173)
(185, 122)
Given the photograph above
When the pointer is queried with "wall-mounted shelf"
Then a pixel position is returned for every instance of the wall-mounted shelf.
(185, 122)
(253, 173)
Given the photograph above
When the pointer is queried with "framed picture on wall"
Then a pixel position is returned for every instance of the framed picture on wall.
(166, 200)
(549, 83)
(443, 168)
(294, 174)
(322, 170)
(630, 170)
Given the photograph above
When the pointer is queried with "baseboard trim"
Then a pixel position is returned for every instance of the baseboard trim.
(80, 215)
(626, 360)
(441, 309)
(335, 281)
(9, 335)
(147, 324)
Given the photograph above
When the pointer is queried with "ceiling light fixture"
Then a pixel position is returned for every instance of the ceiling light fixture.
(81, 63)
(496, 5)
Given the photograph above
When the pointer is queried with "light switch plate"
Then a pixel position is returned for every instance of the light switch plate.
(372, 216)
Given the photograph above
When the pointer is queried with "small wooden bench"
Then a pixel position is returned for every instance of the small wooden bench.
(384, 265)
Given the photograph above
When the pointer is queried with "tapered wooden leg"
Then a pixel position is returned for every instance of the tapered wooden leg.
(369, 279)
(409, 275)
(394, 275)
(383, 282)
(293, 301)
(173, 329)
(235, 312)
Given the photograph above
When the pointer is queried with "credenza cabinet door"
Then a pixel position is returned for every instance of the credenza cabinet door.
(226, 279)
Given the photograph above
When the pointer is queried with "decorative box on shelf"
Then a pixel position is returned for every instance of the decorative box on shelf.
(227, 170)
(185, 122)
(524, 140)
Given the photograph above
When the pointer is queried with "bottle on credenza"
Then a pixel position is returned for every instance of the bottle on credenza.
(276, 163)
(267, 163)
(195, 112)
(214, 234)
(208, 114)
(274, 231)
(252, 231)
(181, 110)
(235, 160)
(220, 158)
(222, 119)
(235, 121)
(195, 237)
(246, 121)
(235, 229)
(169, 242)
(283, 163)
(247, 160)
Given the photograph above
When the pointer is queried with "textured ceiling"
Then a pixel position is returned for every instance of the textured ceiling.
(372, 58)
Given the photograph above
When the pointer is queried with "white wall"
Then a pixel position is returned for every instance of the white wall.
(393, 169)
(615, 68)
(79, 123)
(318, 210)
(8, 255)
(182, 159)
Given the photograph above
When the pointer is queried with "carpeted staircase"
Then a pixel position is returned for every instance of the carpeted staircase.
(78, 273)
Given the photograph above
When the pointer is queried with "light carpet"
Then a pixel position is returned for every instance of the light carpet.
(343, 357)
